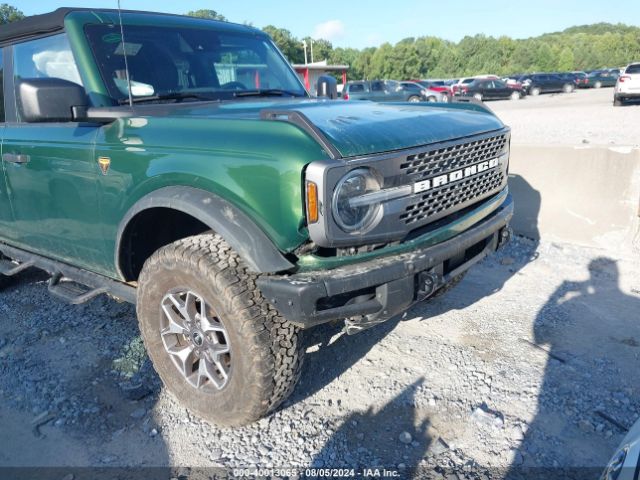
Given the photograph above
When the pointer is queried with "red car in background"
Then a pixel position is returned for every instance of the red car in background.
(438, 86)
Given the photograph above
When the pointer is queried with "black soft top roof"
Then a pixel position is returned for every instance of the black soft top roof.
(34, 26)
(47, 23)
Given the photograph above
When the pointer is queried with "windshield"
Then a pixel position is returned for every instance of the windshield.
(175, 62)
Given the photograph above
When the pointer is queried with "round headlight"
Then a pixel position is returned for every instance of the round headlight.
(360, 217)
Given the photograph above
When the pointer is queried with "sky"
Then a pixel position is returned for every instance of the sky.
(360, 24)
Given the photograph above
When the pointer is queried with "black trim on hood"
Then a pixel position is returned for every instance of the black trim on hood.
(300, 120)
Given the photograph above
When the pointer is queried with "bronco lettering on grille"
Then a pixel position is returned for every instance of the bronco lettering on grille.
(455, 176)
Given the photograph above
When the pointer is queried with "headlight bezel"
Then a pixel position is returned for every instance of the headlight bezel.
(397, 192)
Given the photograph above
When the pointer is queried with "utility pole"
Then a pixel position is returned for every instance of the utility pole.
(311, 40)
(304, 44)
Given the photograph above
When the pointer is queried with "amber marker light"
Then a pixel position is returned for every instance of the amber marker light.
(312, 202)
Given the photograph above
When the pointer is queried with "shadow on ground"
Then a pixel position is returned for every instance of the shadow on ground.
(580, 326)
(387, 443)
(76, 388)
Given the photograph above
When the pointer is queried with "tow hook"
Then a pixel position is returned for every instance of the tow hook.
(428, 283)
(505, 236)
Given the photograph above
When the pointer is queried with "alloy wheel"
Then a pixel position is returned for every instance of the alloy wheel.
(196, 340)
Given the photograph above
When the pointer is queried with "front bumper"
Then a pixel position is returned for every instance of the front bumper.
(379, 289)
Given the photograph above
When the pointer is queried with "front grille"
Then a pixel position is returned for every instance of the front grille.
(433, 203)
(434, 162)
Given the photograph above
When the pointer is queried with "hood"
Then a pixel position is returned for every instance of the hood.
(361, 127)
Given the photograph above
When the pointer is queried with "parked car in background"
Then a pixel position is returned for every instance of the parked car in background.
(538, 83)
(568, 77)
(628, 85)
(426, 93)
(603, 78)
(379, 91)
(489, 89)
(464, 81)
(514, 82)
(441, 86)
(582, 81)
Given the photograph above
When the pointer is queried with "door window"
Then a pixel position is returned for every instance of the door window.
(377, 87)
(49, 57)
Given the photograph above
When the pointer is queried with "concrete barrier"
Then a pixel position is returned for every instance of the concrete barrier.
(585, 195)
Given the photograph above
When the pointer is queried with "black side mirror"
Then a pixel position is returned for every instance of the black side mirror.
(50, 100)
(327, 87)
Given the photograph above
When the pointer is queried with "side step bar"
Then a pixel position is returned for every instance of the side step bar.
(72, 292)
(71, 284)
(9, 268)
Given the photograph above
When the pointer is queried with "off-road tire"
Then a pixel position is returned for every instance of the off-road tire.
(266, 350)
(448, 286)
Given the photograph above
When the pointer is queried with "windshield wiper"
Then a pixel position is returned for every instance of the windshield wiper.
(175, 96)
(266, 92)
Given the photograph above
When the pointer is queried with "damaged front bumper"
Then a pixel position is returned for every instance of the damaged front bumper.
(373, 291)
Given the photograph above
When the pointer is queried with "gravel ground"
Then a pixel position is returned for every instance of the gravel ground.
(584, 116)
(530, 361)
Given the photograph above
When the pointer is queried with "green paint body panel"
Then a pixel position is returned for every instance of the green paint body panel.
(256, 165)
(62, 205)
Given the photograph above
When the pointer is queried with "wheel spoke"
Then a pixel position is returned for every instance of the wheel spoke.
(223, 370)
(219, 349)
(191, 308)
(176, 323)
(185, 358)
(206, 371)
(209, 325)
(178, 303)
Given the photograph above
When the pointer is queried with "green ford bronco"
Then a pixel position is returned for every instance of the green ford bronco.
(179, 164)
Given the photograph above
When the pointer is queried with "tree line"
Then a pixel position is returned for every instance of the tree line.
(583, 47)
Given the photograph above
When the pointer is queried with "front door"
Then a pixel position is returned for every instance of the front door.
(500, 89)
(50, 168)
(6, 216)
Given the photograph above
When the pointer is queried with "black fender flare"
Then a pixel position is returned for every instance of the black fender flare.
(224, 218)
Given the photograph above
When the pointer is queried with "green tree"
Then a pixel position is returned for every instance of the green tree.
(9, 14)
(566, 60)
(209, 14)
(290, 46)
(321, 49)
